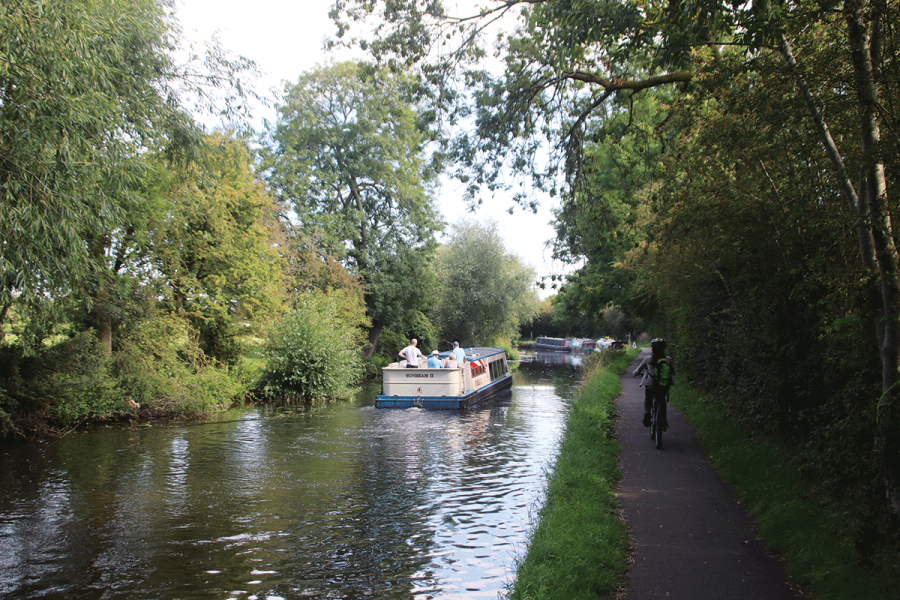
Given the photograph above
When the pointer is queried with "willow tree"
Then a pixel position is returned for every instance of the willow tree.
(350, 154)
(86, 88)
(568, 57)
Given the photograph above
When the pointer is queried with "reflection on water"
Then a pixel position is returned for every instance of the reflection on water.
(340, 501)
(573, 358)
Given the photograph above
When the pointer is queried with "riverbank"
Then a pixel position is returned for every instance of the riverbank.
(579, 547)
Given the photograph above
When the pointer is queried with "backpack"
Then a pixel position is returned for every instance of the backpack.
(662, 373)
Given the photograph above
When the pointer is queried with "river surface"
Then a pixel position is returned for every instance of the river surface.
(337, 501)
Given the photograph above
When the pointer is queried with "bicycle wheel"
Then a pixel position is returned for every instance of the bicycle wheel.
(656, 425)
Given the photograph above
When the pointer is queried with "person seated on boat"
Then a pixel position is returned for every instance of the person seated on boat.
(411, 354)
(433, 361)
(459, 353)
(451, 363)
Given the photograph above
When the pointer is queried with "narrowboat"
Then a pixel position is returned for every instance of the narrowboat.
(609, 344)
(551, 343)
(583, 344)
(485, 373)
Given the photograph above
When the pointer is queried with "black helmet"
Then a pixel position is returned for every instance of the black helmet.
(658, 346)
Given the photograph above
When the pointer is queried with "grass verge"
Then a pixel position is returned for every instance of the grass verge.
(578, 549)
(812, 533)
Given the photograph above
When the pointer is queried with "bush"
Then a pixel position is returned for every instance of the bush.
(512, 353)
(312, 355)
(599, 360)
(159, 367)
(80, 388)
(60, 386)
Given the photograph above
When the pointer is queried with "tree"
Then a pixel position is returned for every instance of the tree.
(349, 154)
(86, 88)
(213, 246)
(484, 292)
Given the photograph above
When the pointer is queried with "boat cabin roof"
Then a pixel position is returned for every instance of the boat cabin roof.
(479, 352)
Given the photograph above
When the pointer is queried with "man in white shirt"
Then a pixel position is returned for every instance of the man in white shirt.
(411, 354)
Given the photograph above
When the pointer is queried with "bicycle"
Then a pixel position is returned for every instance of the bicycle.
(657, 420)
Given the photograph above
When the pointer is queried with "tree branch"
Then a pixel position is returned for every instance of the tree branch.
(613, 85)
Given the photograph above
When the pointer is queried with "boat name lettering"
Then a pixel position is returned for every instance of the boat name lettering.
(426, 375)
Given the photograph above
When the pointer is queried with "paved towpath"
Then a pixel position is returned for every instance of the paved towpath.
(691, 538)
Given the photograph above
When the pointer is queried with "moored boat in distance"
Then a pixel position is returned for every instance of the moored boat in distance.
(583, 344)
(609, 344)
(551, 343)
(485, 373)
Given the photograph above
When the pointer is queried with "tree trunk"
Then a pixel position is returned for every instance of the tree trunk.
(3, 312)
(374, 334)
(869, 205)
(100, 320)
(863, 36)
(102, 324)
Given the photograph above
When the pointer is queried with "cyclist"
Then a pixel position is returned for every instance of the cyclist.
(651, 378)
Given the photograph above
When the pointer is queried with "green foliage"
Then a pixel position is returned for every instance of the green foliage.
(311, 355)
(213, 245)
(389, 343)
(65, 385)
(747, 283)
(543, 323)
(81, 389)
(484, 292)
(160, 366)
(155, 370)
(512, 352)
(612, 171)
(87, 89)
(72, 113)
(754, 268)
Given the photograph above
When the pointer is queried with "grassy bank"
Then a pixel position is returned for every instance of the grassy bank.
(816, 535)
(578, 549)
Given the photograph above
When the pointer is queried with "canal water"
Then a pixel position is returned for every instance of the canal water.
(338, 501)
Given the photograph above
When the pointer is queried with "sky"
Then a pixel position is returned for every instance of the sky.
(285, 38)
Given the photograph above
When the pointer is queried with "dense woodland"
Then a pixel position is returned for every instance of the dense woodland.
(724, 172)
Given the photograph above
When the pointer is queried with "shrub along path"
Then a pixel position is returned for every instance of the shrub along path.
(691, 538)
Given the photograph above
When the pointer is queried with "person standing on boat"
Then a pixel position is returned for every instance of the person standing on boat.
(411, 354)
(459, 353)
(433, 361)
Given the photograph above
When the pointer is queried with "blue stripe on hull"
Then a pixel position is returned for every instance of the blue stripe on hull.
(445, 402)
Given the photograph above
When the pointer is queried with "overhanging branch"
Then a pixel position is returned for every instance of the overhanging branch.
(635, 85)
